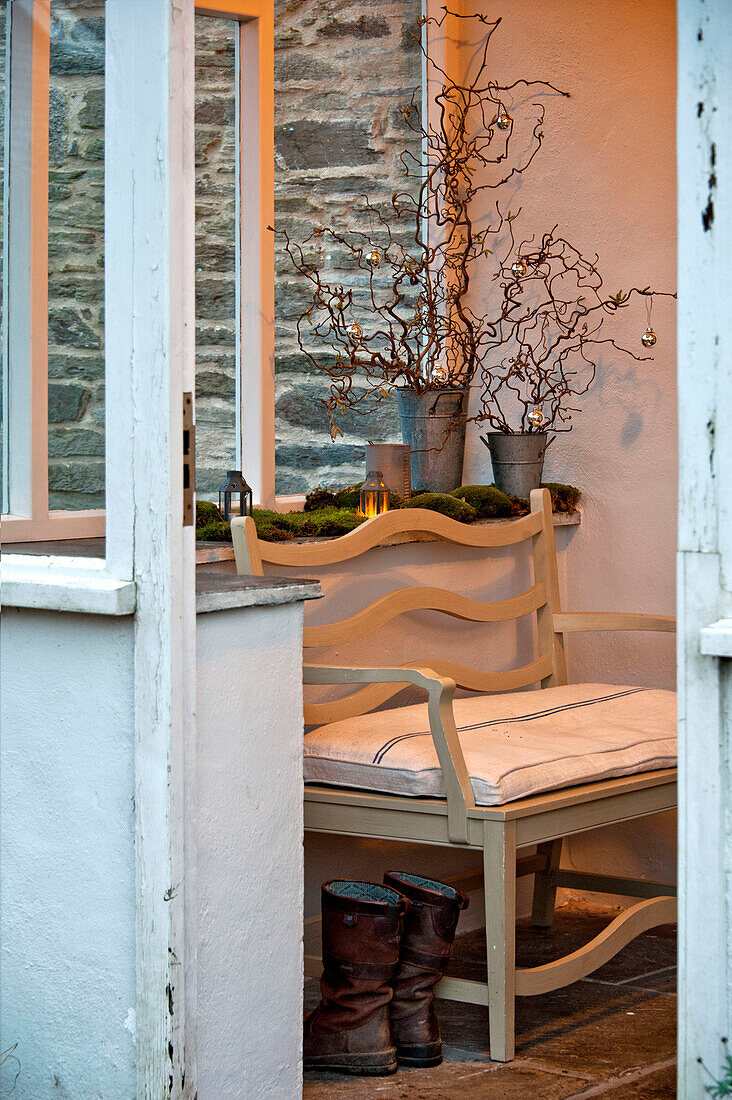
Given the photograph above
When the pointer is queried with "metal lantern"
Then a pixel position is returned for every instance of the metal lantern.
(374, 495)
(235, 496)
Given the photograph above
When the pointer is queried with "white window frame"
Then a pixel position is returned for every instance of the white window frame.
(26, 514)
(255, 379)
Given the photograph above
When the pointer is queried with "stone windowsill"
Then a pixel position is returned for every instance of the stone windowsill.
(74, 579)
(224, 591)
(207, 553)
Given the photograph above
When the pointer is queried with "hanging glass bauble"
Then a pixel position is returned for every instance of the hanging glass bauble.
(519, 269)
(503, 120)
(648, 339)
(374, 257)
(439, 374)
(536, 417)
(355, 331)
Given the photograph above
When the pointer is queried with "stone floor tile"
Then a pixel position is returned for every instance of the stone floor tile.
(645, 1083)
(449, 1081)
(611, 1035)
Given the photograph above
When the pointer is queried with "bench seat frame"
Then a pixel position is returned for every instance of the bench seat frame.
(500, 832)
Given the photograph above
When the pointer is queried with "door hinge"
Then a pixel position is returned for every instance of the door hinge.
(189, 461)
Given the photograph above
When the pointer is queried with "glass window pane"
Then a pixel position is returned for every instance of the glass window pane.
(343, 72)
(216, 227)
(4, 48)
(76, 256)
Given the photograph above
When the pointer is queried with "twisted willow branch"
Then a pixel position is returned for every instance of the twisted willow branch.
(407, 316)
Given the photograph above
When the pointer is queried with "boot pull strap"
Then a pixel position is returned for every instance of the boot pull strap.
(424, 959)
(369, 972)
(395, 915)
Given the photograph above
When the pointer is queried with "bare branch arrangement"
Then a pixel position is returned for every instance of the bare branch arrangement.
(408, 319)
(544, 352)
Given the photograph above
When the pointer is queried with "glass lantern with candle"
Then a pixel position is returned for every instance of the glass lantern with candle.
(374, 495)
(235, 496)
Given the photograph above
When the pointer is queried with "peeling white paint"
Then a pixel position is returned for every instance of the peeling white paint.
(705, 540)
(130, 1024)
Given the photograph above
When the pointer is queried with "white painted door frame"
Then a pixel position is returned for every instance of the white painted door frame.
(150, 325)
(704, 131)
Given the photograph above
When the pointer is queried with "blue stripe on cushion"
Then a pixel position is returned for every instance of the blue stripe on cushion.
(507, 721)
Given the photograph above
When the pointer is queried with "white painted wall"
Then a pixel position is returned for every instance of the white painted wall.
(249, 853)
(67, 863)
(67, 871)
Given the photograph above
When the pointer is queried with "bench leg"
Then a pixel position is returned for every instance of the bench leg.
(499, 864)
(545, 895)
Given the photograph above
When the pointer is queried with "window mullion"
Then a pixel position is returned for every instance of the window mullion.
(27, 269)
(256, 141)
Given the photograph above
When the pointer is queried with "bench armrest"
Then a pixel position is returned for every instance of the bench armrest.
(566, 622)
(440, 693)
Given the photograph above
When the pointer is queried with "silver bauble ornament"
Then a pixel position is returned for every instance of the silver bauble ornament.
(355, 331)
(503, 120)
(536, 417)
(519, 269)
(439, 374)
(648, 339)
(374, 257)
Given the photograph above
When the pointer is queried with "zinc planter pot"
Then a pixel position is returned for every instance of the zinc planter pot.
(431, 428)
(518, 461)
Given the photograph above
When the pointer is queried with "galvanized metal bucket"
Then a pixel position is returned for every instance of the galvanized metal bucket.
(432, 427)
(518, 461)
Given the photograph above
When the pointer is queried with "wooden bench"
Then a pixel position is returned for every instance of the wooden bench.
(455, 819)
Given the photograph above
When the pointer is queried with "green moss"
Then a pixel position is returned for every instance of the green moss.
(466, 504)
(325, 522)
(215, 531)
(444, 503)
(276, 519)
(319, 498)
(271, 526)
(207, 513)
(565, 498)
(269, 533)
(320, 523)
(488, 501)
(350, 497)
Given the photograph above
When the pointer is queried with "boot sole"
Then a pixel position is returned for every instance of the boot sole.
(375, 1064)
(420, 1055)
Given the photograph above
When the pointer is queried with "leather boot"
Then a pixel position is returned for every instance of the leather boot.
(429, 931)
(350, 1031)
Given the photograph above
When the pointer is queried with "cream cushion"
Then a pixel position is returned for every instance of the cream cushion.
(514, 745)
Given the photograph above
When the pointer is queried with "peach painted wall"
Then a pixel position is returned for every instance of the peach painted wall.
(607, 175)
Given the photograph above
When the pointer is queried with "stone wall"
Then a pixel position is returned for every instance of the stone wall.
(76, 253)
(343, 69)
(76, 256)
(215, 253)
